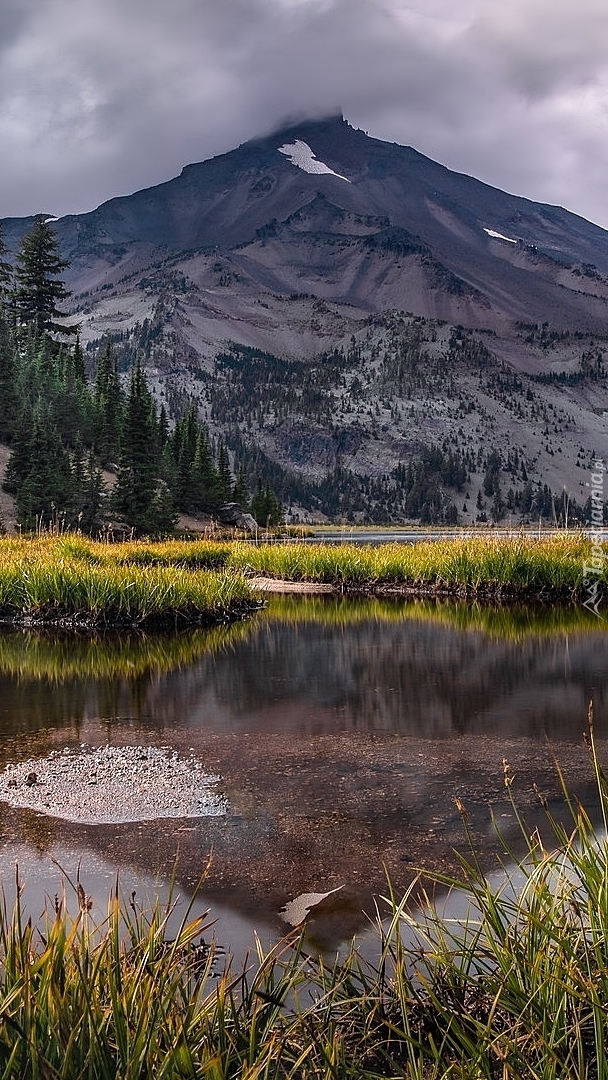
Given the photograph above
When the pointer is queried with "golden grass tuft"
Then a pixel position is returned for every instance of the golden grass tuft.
(69, 580)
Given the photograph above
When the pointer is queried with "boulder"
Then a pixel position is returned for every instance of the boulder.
(247, 521)
(233, 514)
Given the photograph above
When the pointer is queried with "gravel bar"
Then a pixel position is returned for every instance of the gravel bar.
(112, 784)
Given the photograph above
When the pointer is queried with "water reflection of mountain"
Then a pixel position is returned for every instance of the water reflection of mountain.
(412, 678)
(344, 732)
(409, 676)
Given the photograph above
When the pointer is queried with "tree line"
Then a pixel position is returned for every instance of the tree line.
(64, 428)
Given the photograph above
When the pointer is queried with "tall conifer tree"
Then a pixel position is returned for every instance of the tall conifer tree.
(6, 278)
(240, 493)
(47, 488)
(224, 486)
(9, 399)
(108, 403)
(205, 478)
(39, 289)
(139, 495)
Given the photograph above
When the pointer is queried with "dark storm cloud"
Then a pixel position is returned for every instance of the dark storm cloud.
(99, 97)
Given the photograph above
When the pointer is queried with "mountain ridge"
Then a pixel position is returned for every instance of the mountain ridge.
(371, 303)
(352, 150)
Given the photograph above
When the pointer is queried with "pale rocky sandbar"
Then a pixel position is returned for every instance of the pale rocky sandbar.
(113, 784)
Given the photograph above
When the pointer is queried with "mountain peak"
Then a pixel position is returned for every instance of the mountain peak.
(291, 127)
(431, 308)
(520, 256)
(299, 122)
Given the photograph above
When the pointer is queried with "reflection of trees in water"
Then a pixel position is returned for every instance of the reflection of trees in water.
(306, 667)
(58, 680)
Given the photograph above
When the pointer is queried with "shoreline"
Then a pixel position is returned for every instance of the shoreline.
(177, 620)
(74, 583)
(489, 591)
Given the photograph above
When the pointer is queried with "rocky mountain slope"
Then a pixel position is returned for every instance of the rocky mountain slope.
(347, 303)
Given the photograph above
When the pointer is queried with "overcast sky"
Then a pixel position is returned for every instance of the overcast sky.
(102, 97)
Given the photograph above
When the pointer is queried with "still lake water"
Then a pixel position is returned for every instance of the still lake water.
(343, 730)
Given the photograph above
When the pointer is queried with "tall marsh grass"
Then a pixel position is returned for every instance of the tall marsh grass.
(54, 578)
(521, 564)
(67, 579)
(517, 989)
(497, 566)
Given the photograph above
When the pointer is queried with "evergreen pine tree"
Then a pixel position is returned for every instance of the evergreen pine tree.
(47, 489)
(92, 499)
(143, 500)
(163, 427)
(265, 507)
(38, 288)
(9, 399)
(184, 450)
(77, 367)
(240, 493)
(77, 485)
(6, 279)
(69, 397)
(44, 368)
(498, 507)
(204, 474)
(107, 407)
(224, 476)
(20, 461)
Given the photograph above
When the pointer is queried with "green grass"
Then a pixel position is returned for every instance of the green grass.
(494, 565)
(480, 566)
(516, 990)
(68, 580)
(486, 566)
(63, 578)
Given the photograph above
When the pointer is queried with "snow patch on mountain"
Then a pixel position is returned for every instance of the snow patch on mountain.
(301, 155)
(499, 236)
